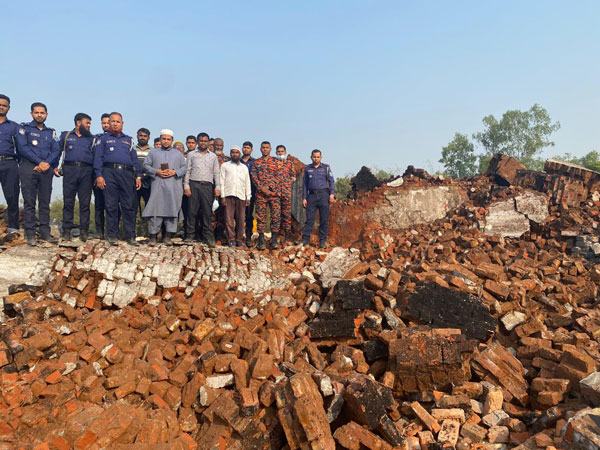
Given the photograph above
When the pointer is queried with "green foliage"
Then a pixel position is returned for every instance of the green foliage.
(343, 186)
(459, 158)
(383, 175)
(521, 134)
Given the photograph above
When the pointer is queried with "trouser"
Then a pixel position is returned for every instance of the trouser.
(99, 211)
(35, 186)
(201, 201)
(155, 224)
(261, 212)
(286, 212)
(143, 193)
(77, 181)
(220, 221)
(120, 191)
(9, 178)
(317, 201)
(184, 210)
(250, 214)
(235, 213)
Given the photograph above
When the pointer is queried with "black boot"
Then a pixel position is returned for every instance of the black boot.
(261, 241)
(152, 241)
(274, 240)
(83, 236)
(66, 235)
(167, 238)
(287, 237)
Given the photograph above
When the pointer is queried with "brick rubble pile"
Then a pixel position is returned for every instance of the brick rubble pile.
(445, 334)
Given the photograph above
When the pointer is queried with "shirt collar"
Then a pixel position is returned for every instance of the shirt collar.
(33, 123)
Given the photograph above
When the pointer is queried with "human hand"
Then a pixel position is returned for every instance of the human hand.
(138, 183)
(247, 202)
(223, 201)
(100, 183)
(57, 172)
(332, 198)
(44, 166)
(187, 192)
(304, 203)
(217, 192)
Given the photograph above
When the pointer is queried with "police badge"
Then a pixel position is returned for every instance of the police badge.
(34, 142)
(112, 149)
(22, 131)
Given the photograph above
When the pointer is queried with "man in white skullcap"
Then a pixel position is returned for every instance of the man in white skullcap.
(166, 167)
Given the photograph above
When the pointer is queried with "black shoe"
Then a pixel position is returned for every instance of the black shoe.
(249, 241)
(131, 241)
(188, 239)
(323, 245)
(50, 239)
(232, 243)
(83, 236)
(274, 242)
(31, 241)
(111, 240)
(66, 235)
(152, 241)
(240, 244)
(261, 242)
(167, 238)
(211, 243)
(287, 237)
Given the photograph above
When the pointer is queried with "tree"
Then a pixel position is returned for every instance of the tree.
(591, 160)
(521, 134)
(343, 186)
(458, 157)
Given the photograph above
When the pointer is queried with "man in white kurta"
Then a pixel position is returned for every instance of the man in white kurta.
(235, 196)
(166, 168)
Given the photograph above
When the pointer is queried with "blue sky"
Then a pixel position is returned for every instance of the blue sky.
(382, 84)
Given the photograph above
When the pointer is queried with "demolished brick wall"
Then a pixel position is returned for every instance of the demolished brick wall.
(438, 335)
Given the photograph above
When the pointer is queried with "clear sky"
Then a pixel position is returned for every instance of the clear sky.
(378, 83)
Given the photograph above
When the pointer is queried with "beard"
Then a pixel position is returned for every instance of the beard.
(84, 131)
(235, 159)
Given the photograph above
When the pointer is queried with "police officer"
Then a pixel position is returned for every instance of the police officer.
(40, 153)
(9, 169)
(77, 172)
(248, 161)
(317, 193)
(99, 193)
(117, 168)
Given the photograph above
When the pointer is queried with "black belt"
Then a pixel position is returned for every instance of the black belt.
(119, 167)
(317, 191)
(77, 164)
(7, 158)
(203, 183)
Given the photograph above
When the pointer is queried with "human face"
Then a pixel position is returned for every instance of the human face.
(166, 141)
(105, 124)
(316, 158)
(219, 146)
(280, 151)
(143, 138)
(84, 126)
(265, 149)
(115, 122)
(203, 143)
(39, 114)
(191, 144)
(179, 146)
(247, 150)
(235, 155)
(211, 145)
(157, 143)
(4, 107)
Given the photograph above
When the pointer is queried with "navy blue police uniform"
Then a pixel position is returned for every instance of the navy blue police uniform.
(9, 171)
(36, 146)
(78, 178)
(250, 207)
(317, 187)
(116, 160)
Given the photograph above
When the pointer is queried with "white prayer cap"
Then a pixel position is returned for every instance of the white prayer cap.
(167, 132)
(235, 147)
